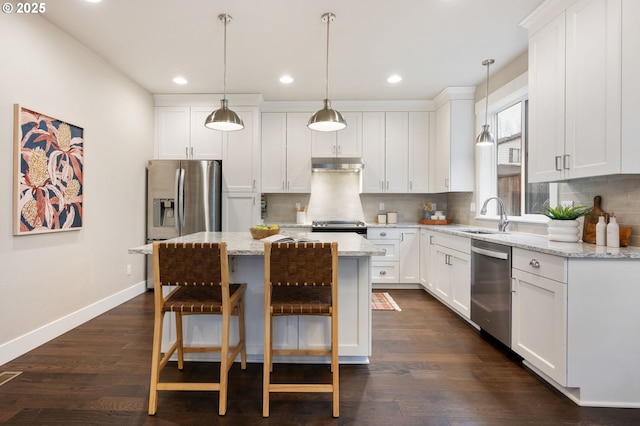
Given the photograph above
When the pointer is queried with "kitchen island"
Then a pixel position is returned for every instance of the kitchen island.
(246, 264)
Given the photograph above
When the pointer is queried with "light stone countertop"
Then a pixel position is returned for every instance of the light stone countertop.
(541, 243)
(242, 244)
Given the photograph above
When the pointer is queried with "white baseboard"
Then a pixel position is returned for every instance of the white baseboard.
(23, 344)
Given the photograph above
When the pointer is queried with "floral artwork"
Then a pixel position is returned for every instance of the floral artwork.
(48, 174)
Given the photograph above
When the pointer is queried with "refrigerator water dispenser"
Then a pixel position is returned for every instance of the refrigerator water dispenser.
(164, 212)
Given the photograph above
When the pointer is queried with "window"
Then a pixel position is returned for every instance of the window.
(511, 171)
(502, 168)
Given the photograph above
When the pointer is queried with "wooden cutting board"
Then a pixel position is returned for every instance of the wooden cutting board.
(590, 221)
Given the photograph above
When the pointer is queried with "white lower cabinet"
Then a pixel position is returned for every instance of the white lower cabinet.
(240, 211)
(400, 265)
(539, 312)
(449, 279)
(426, 270)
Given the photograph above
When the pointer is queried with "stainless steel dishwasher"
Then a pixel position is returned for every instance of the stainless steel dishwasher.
(491, 289)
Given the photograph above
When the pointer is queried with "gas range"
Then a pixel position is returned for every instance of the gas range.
(356, 226)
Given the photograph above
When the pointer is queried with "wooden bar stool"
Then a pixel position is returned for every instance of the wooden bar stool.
(199, 276)
(300, 279)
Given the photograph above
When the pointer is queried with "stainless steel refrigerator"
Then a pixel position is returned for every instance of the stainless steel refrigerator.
(183, 197)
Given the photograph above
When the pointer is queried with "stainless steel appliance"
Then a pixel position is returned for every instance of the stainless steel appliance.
(183, 197)
(356, 226)
(491, 289)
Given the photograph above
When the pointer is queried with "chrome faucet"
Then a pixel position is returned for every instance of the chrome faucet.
(504, 220)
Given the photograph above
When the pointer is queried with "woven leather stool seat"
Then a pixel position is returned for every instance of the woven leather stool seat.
(301, 301)
(203, 300)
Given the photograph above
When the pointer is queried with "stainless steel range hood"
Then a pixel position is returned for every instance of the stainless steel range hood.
(337, 164)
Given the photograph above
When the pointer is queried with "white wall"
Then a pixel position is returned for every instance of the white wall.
(51, 282)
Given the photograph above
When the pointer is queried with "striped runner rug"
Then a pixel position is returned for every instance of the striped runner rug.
(383, 302)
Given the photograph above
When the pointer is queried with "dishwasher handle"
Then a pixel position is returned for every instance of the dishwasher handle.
(490, 253)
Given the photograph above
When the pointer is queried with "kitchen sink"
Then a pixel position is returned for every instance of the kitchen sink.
(480, 231)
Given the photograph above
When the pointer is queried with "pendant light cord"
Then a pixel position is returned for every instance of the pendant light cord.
(225, 19)
(486, 107)
(328, 16)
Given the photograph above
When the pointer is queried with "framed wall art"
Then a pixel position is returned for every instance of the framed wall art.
(48, 173)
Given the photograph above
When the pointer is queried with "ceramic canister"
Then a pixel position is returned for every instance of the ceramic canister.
(392, 217)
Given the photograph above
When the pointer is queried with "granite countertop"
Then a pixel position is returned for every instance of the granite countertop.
(242, 244)
(541, 243)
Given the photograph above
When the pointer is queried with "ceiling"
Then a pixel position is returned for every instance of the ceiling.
(432, 44)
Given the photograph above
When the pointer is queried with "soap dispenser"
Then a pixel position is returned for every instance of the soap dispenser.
(601, 231)
(613, 232)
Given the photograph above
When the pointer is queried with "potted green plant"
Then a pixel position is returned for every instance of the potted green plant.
(563, 224)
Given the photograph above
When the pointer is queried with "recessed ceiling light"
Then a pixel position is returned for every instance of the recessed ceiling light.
(93, 1)
(180, 80)
(286, 79)
(395, 78)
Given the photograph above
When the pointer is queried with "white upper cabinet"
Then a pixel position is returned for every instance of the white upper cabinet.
(579, 98)
(631, 86)
(395, 152)
(342, 143)
(180, 134)
(419, 136)
(241, 154)
(286, 152)
(451, 152)
(546, 101)
(373, 178)
(592, 143)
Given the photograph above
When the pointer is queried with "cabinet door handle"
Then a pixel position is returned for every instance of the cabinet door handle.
(283, 186)
(339, 150)
(534, 263)
(383, 273)
(383, 234)
(430, 240)
(513, 285)
(186, 152)
(191, 152)
(387, 185)
(565, 161)
(446, 183)
(288, 185)
(410, 185)
(558, 163)
(254, 184)
(333, 149)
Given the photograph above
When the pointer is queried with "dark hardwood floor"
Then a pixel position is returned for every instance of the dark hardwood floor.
(428, 368)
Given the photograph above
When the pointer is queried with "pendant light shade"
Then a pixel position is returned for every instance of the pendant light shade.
(485, 137)
(224, 119)
(327, 119)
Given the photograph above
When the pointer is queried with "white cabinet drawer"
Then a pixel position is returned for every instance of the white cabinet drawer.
(384, 234)
(453, 242)
(385, 272)
(391, 250)
(542, 264)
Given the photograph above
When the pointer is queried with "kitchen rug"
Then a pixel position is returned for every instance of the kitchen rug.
(383, 302)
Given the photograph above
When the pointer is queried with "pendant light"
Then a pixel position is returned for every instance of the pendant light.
(485, 137)
(224, 119)
(327, 119)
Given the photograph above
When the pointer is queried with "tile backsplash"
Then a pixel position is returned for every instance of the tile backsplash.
(620, 194)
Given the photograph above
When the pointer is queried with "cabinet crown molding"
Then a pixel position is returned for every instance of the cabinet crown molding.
(459, 93)
(544, 13)
(206, 99)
